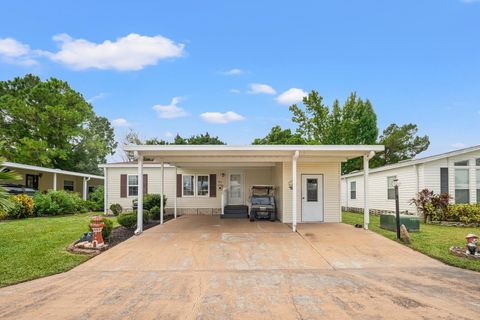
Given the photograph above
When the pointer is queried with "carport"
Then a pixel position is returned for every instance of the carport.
(307, 176)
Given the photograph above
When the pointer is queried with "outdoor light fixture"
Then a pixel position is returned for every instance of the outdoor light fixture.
(290, 184)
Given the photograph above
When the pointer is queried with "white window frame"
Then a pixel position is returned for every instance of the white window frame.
(393, 187)
(477, 172)
(131, 185)
(196, 185)
(73, 185)
(353, 183)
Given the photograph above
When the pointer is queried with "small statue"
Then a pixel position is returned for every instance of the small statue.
(87, 236)
(472, 245)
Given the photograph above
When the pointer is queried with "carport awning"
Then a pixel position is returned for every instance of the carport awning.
(252, 153)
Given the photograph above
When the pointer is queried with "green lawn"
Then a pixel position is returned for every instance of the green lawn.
(35, 247)
(432, 240)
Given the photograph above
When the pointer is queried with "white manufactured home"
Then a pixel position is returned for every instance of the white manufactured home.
(456, 172)
(212, 179)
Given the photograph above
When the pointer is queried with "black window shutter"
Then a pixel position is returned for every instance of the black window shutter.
(443, 180)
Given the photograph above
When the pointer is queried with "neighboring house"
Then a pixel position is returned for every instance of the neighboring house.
(43, 179)
(456, 172)
(208, 179)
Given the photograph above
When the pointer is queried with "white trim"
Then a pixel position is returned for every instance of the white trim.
(128, 185)
(140, 197)
(50, 170)
(162, 192)
(105, 191)
(133, 165)
(364, 148)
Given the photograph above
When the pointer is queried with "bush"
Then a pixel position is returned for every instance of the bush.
(127, 220)
(96, 198)
(58, 203)
(431, 205)
(466, 213)
(155, 213)
(153, 200)
(116, 209)
(107, 228)
(22, 207)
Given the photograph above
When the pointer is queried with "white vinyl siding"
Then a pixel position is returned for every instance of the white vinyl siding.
(478, 185)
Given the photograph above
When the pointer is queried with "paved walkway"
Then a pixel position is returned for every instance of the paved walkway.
(202, 267)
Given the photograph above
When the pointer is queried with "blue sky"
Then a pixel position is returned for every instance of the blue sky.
(232, 67)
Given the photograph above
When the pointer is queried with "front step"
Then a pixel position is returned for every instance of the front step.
(235, 212)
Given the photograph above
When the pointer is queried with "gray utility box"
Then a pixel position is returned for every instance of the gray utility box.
(388, 222)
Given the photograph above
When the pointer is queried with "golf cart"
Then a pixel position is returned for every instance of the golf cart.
(262, 203)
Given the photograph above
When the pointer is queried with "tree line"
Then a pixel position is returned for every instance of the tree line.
(49, 124)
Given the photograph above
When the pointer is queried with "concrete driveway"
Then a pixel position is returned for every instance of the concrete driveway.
(201, 267)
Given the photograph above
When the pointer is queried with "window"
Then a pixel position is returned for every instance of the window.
(463, 163)
(202, 185)
(68, 185)
(477, 162)
(31, 181)
(443, 180)
(478, 185)
(132, 185)
(353, 190)
(390, 188)
(188, 182)
(462, 191)
(312, 190)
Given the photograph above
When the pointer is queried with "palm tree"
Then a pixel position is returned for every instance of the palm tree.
(5, 204)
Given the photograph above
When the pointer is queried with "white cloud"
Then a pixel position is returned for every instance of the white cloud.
(15, 52)
(171, 110)
(169, 134)
(469, 1)
(221, 118)
(291, 96)
(236, 91)
(120, 122)
(256, 88)
(233, 72)
(459, 145)
(99, 96)
(132, 52)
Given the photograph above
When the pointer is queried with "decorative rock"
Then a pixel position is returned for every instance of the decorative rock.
(460, 252)
(404, 235)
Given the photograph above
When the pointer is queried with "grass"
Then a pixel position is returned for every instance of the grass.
(35, 247)
(432, 240)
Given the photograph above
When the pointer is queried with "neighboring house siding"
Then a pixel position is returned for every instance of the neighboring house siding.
(331, 185)
(413, 178)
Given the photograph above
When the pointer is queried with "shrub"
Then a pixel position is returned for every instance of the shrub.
(127, 220)
(116, 209)
(431, 205)
(466, 213)
(58, 203)
(155, 213)
(22, 207)
(153, 200)
(107, 228)
(96, 198)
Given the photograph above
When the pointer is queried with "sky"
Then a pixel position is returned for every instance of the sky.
(232, 68)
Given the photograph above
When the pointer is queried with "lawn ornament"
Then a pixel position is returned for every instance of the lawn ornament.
(97, 226)
(472, 245)
(87, 236)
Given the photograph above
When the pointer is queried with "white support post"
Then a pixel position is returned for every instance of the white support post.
(294, 191)
(54, 182)
(366, 207)
(105, 191)
(175, 199)
(223, 201)
(85, 187)
(140, 196)
(161, 193)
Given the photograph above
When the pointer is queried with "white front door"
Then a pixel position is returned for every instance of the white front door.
(312, 197)
(236, 187)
